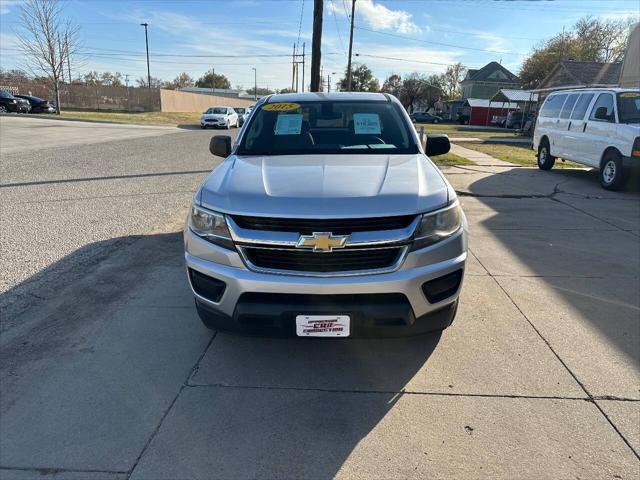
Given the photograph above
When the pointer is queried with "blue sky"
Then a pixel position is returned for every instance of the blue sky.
(233, 36)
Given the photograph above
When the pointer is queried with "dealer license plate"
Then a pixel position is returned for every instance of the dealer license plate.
(323, 325)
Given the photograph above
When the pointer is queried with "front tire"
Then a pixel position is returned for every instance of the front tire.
(3, 109)
(436, 121)
(545, 159)
(227, 126)
(611, 171)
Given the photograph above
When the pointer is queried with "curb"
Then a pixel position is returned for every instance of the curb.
(46, 116)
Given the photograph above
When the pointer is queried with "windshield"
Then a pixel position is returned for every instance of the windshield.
(240, 111)
(629, 107)
(355, 127)
(218, 110)
(5, 94)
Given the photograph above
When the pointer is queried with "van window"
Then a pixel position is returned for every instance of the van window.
(605, 100)
(552, 106)
(581, 106)
(568, 105)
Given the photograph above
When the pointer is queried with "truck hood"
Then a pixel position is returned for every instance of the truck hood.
(321, 186)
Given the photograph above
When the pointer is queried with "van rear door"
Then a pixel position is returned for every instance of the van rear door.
(563, 124)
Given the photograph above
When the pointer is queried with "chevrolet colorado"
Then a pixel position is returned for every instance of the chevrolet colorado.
(326, 219)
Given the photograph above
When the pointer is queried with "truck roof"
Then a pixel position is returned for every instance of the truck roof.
(328, 97)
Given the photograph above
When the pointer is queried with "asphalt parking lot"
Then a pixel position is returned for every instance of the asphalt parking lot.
(107, 373)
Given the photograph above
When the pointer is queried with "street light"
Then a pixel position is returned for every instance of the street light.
(255, 83)
(146, 41)
(329, 81)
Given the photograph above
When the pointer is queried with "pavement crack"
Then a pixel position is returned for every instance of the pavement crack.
(590, 398)
(389, 392)
(58, 470)
(184, 385)
(462, 193)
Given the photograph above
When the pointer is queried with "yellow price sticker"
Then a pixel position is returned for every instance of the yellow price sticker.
(629, 94)
(280, 107)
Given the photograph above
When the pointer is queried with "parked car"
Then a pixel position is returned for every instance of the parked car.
(597, 127)
(242, 112)
(224, 117)
(424, 117)
(326, 219)
(9, 103)
(517, 119)
(38, 105)
(463, 118)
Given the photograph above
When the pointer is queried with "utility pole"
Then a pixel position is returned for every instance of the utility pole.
(353, 15)
(126, 79)
(293, 68)
(303, 66)
(213, 81)
(328, 82)
(66, 49)
(146, 42)
(315, 45)
(255, 83)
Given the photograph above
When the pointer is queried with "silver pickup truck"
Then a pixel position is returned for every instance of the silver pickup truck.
(326, 219)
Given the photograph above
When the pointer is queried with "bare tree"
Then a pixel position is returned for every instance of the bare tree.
(47, 40)
(451, 79)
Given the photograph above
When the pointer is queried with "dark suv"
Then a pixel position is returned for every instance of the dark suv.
(9, 103)
(424, 117)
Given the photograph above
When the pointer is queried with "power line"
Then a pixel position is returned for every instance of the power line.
(403, 59)
(405, 37)
(300, 26)
(335, 19)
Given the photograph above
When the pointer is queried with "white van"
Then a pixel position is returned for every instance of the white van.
(597, 127)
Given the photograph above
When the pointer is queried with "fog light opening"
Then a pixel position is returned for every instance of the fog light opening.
(442, 287)
(207, 287)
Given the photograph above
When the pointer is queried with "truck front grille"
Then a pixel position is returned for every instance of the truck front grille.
(304, 261)
(337, 226)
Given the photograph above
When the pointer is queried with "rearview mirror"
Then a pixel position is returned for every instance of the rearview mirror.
(437, 144)
(601, 114)
(220, 145)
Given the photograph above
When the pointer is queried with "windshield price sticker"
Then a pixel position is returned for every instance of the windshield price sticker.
(629, 95)
(289, 124)
(280, 107)
(366, 124)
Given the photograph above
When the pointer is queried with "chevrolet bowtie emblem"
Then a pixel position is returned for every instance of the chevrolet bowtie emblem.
(322, 241)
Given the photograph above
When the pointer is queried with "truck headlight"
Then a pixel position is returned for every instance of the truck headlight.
(211, 226)
(437, 226)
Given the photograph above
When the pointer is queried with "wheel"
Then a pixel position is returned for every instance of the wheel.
(545, 159)
(3, 109)
(435, 120)
(611, 171)
(227, 126)
(203, 127)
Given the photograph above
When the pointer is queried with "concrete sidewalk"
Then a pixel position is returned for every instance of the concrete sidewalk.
(479, 158)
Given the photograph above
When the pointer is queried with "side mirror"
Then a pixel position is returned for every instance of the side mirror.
(437, 144)
(601, 114)
(220, 146)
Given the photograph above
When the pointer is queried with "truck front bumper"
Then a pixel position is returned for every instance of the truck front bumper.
(231, 297)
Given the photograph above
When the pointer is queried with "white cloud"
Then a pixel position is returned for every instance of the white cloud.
(5, 5)
(379, 17)
(493, 42)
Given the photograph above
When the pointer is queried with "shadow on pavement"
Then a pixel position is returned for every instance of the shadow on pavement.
(110, 340)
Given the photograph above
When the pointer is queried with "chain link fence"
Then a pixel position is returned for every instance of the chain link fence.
(94, 97)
